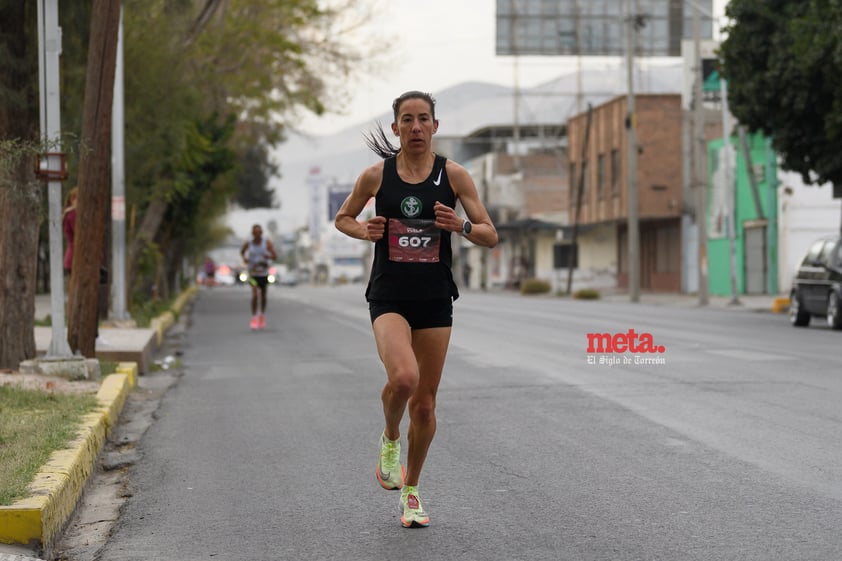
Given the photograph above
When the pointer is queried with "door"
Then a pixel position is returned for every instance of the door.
(754, 260)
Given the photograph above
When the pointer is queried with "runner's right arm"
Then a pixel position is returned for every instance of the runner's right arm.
(366, 187)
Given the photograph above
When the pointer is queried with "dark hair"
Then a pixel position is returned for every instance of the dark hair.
(377, 139)
(414, 94)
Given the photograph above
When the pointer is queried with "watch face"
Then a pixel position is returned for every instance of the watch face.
(466, 227)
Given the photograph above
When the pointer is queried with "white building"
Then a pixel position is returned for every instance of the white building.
(805, 213)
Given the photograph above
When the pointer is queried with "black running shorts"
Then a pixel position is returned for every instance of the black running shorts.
(260, 282)
(419, 314)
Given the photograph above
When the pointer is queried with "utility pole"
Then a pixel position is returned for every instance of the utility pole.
(634, 21)
(516, 96)
(699, 171)
(118, 190)
(730, 190)
(487, 176)
(49, 51)
(94, 175)
(580, 94)
(580, 189)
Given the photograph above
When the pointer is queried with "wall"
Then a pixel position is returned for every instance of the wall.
(719, 250)
(806, 213)
(659, 161)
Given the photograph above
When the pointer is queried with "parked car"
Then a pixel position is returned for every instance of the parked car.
(288, 278)
(225, 275)
(817, 285)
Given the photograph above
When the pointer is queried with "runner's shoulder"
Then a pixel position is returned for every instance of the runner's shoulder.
(371, 176)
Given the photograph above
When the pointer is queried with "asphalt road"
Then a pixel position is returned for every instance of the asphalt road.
(729, 447)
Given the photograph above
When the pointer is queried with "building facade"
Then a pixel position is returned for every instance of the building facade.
(600, 173)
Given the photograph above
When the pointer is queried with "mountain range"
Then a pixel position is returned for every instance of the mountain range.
(461, 110)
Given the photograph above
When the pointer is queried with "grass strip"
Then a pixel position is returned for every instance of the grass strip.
(33, 425)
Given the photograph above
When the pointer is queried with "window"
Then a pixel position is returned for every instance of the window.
(827, 252)
(615, 172)
(600, 176)
(586, 182)
(574, 185)
(813, 255)
(564, 254)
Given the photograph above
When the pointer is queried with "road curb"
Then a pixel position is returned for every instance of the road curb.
(37, 520)
(780, 305)
(163, 322)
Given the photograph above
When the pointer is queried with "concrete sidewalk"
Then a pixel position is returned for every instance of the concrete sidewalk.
(115, 344)
(748, 302)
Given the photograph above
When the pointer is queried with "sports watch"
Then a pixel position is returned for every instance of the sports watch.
(466, 227)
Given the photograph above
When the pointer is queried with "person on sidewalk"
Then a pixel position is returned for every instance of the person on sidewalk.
(411, 289)
(210, 272)
(256, 254)
(68, 226)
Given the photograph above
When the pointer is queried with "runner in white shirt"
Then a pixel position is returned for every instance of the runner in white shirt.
(256, 253)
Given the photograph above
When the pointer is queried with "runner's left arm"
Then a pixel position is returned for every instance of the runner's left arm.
(483, 231)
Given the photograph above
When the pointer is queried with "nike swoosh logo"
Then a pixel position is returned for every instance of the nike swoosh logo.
(438, 179)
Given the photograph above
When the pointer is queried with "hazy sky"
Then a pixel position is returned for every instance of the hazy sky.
(441, 43)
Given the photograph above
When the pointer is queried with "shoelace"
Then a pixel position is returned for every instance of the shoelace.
(388, 456)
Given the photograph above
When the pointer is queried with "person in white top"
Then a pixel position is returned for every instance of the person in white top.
(256, 253)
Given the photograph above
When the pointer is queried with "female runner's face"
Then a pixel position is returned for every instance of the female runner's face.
(415, 126)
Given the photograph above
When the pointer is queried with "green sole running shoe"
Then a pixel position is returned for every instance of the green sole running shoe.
(413, 514)
(390, 472)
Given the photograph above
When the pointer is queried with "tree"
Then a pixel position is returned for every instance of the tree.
(94, 178)
(262, 61)
(781, 59)
(20, 211)
(253, 178)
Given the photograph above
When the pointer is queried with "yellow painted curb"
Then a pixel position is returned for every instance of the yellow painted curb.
(183, 298)
(38, 519)
(780, 305)
(160, 324)
(131, 370)
(166, 320)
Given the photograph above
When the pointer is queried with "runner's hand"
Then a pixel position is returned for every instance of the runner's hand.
(375, 228)
(446, 218)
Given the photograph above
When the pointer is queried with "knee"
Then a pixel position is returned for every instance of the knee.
(403, 383)
(422, 410)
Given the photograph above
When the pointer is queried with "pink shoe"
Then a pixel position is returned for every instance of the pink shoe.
(261, 321)
(254, 323)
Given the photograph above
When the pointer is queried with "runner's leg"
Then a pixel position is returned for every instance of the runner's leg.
(394, 345)
(263, 299)
(430, 350)
(254, 290)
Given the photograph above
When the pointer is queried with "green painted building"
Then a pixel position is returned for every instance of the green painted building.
(749, 264)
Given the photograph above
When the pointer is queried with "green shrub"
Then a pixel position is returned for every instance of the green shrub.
(107, 367)
(144, 312)
(587, 294)
(534, 286)
(47, 321)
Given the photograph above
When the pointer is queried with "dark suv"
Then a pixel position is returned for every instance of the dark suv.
(817, 286)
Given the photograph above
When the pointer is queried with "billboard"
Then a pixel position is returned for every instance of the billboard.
(596, 27)
(336, 196)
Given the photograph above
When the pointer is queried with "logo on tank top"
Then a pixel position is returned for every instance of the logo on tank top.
(411, 206)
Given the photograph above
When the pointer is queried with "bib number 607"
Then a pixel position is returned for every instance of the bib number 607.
(414, 241)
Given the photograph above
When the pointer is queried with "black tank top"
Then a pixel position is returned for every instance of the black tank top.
(413, 259)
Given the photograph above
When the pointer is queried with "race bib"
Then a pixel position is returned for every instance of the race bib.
(413, 240)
